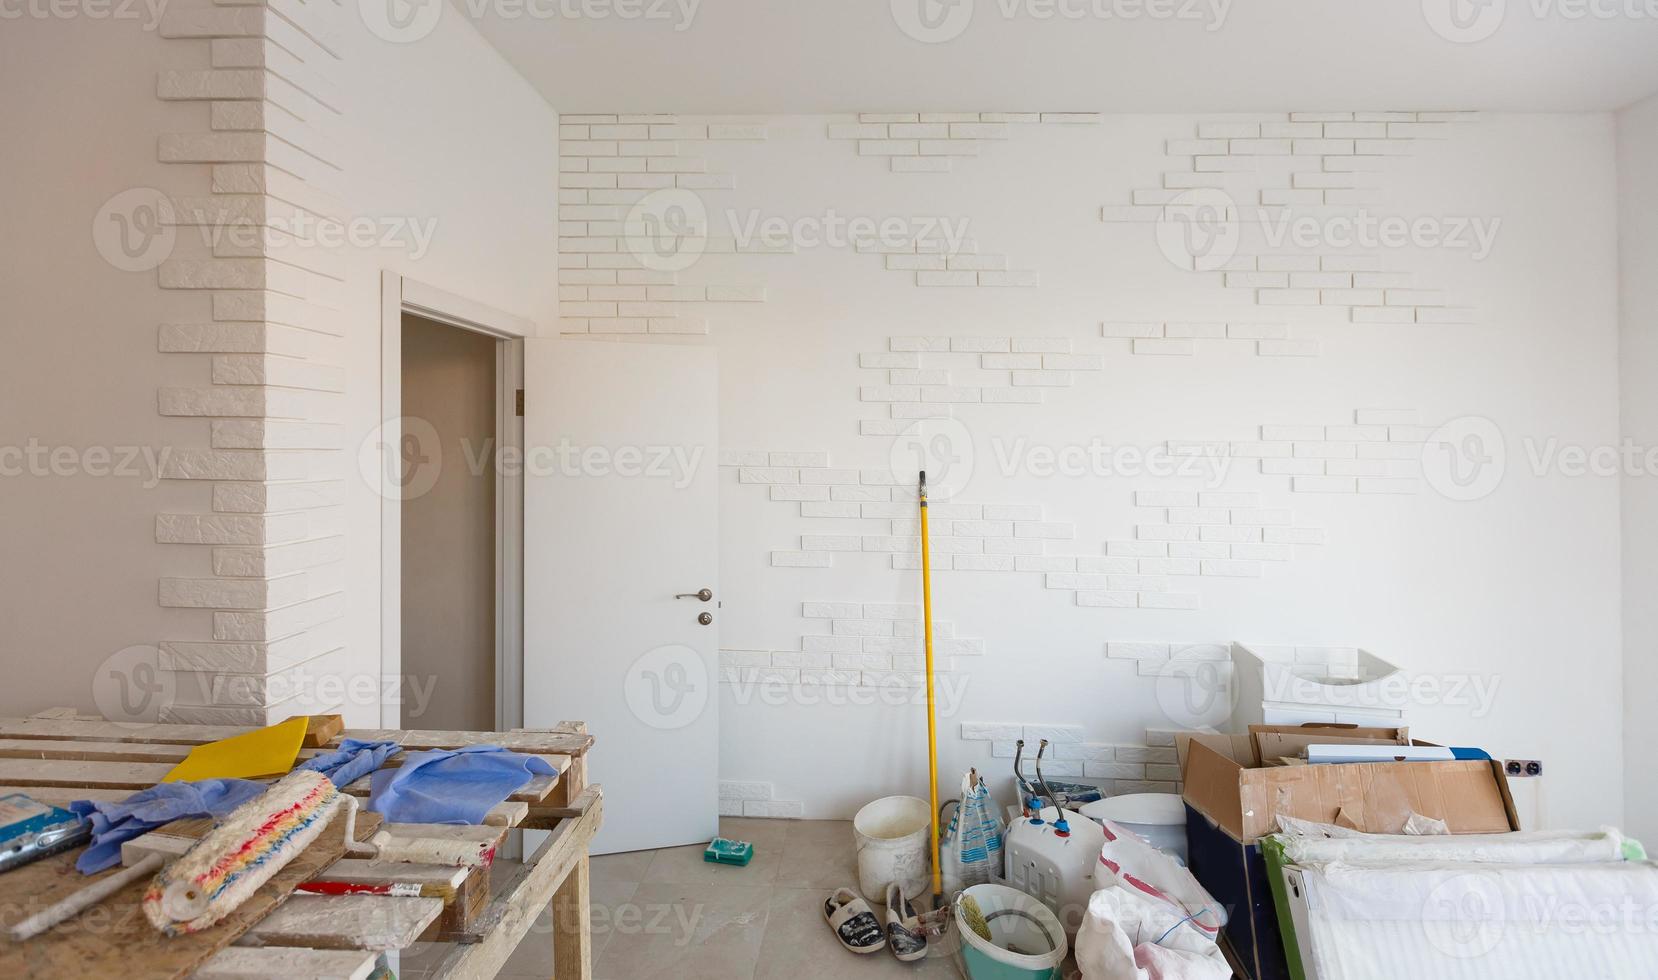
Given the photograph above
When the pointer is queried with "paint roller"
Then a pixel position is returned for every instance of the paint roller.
(215, 876)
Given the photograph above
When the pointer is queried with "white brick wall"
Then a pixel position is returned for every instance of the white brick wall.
(613, 276)
(1116, 769)
(931, 142)
(1274, 168)
(265, 364)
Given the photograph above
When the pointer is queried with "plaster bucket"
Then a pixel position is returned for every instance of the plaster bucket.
(1158, 818)
(891, 838)
(1027, 942)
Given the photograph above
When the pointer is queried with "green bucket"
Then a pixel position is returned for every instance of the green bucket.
(1027, 942)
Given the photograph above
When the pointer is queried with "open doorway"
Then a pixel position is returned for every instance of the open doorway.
(449, 379)
(451, 514)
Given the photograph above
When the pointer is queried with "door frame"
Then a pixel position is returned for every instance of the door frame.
(399, 295)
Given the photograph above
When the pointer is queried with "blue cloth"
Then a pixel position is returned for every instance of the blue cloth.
(458, 787)
(353, 760)
(148, 809)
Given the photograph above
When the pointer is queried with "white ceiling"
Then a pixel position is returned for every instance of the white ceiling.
(811, 56)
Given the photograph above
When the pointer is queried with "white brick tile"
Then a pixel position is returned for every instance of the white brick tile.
(1041, 379)
(1138, 549)
(930, 278)
(934, 344)
(1131, 331)
(1012, 512)
(801, 493)
(1199, 549)
(983, 563)
(919, 130)
(1262, 517)
(838, 646)
(1053, 733)
(1324, 484)
(1292, 467)
(1041, 345)
(800, 559)
(1230, 534)
(1163, 347)
(1167, 532)
(1230, 568)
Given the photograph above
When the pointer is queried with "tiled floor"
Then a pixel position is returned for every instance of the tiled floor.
(669, 915)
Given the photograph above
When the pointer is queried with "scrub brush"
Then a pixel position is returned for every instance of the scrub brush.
(973, 917)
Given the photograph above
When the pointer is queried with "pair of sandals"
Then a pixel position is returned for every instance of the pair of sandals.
(855, 925)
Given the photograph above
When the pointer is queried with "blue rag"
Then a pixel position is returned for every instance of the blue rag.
(148, 809)
(458, 787)
(353, 760)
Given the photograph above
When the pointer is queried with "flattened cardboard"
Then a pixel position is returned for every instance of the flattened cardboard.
(1272, 742)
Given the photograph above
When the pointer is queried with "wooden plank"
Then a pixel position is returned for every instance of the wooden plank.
(572, 928)
(547, 743)
(116, 731)
(94, 775)
(90, 751)
(64, 795)
(456, 922)
(262, 963)
(115, 939)
(507, 919)
(368, 871)
(322, 729)
(375, 922)
(549, 812)
(428, 843)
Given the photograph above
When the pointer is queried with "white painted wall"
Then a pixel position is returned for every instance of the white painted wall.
(1638, 359)
(439, 130)
(1519, 589)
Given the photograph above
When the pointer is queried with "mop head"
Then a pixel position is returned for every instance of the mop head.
(257, 840)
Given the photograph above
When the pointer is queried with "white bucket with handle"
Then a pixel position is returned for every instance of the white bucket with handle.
(891, 837)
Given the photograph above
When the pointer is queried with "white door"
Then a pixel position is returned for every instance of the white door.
(620, 510)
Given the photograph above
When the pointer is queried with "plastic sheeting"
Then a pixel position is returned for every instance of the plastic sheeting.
(1475, 922)
(1303, 846)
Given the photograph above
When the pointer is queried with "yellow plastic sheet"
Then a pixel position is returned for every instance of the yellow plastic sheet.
(264, 752)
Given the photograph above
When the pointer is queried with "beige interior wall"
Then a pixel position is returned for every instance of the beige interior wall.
(449, 531)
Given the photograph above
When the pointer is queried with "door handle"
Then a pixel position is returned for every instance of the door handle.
(703, 595)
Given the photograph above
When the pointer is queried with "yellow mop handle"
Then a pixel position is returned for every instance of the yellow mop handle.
(932, 710)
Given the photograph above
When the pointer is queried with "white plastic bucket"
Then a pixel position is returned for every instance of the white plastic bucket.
(891, 836)
(1158, 818)
(1026, 940)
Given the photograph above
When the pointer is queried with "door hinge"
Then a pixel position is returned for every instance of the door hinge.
(520, 403)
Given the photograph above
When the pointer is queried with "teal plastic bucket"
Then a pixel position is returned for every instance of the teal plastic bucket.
(1027, 942)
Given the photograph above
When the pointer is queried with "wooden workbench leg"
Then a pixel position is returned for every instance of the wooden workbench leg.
(572, 927)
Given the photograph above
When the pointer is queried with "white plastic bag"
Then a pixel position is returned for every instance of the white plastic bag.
(1148, 919)
(971, 852)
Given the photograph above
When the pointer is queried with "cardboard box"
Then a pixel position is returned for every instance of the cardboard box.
(1233, 800)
